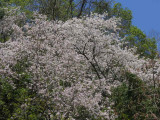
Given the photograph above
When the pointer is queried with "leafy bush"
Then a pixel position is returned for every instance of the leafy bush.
(17, 100)
(133, 100)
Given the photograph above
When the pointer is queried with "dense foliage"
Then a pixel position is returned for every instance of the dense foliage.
(65, 70)
(135, 100)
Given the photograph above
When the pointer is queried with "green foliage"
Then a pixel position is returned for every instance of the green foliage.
(25, 6)
(13, 93)
(22, 3)
(57, 9)
(84, 114)
(133, 101)
(3, 38)
(11, 98)
(145, 47)
(126, 18)
(102, 6)
(64, 83)
(17, 100)
(2, 13)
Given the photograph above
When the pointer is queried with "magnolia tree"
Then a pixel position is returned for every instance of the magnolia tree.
(72, 64)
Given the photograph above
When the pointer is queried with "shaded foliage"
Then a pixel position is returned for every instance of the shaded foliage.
(134, 100)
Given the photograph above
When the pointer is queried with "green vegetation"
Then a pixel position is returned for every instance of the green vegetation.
(135, 100)
(17, 100)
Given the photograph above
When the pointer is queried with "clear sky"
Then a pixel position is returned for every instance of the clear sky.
(146, 13)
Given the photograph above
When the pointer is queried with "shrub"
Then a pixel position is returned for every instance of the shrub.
(133, 100)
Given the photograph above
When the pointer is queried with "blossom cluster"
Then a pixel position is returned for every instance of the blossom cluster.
(73, 63)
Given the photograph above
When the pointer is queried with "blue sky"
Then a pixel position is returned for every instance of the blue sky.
(146, 13)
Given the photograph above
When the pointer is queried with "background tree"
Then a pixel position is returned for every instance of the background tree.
(146, 47)
(56, 9)
(156, 35)
(135, 100)
(101, 6)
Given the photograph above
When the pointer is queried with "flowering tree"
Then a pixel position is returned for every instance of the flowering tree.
(72, 65)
